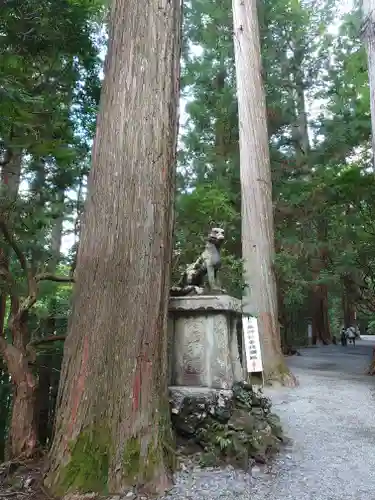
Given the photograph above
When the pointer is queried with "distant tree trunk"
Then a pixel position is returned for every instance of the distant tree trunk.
(46, 365)
(300, 131)
(321, 332)
(42, 398)
(260, 299)
(368, 33)
(320, 321)
(113, 423)
(3, 295)
(56, 233)
(348, 303)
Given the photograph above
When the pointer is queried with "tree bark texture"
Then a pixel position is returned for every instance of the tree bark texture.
(113, 426)
(368, 33)
(23, 432)
(260, 300)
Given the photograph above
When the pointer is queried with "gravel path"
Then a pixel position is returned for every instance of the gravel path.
(331, 420)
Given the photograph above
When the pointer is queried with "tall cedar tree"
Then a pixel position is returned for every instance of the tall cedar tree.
(368, 25)
(258, 250)
(112, 426)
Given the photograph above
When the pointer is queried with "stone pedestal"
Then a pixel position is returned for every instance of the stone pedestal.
(203, 347)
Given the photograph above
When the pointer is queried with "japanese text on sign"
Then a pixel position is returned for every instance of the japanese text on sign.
(252, 344)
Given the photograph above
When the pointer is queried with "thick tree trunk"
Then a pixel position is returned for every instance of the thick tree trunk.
(368, 32)
(256, 189)
(113, 424)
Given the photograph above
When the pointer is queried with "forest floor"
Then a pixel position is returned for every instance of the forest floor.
(330, 419)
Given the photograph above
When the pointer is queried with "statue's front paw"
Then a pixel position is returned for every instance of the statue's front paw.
(199, 290)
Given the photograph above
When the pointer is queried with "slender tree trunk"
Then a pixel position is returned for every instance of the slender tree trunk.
(256, 189)
(320, 324)
(301, 134)
(113, 423)
(368, 33)
(56, 233)
(321, 331)
(10, 181)
(42, 398)
(45, 377)
(348, 303)
(23, 434)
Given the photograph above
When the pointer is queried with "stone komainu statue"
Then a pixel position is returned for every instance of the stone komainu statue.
(207, 264)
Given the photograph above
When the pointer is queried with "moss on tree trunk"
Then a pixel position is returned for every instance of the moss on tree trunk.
(112, 419)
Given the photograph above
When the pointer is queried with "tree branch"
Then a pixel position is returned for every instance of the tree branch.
(52, 338)
(52, 277)
(20, 256)
(7, 156)
(32, 281)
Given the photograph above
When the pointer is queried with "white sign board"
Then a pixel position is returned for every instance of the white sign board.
(252, 344)
(309, 331)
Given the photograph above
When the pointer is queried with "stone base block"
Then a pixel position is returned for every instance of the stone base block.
(203, 341)
(190, 406)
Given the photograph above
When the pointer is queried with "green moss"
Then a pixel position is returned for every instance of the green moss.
(161, 448)
(167, 437)
(132, 459)
(138, 467)
(87, 469)
(151, 461)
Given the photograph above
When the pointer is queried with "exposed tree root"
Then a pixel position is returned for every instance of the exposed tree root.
(282, 376)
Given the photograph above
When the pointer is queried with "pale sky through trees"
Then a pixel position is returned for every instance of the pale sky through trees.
(313, 110)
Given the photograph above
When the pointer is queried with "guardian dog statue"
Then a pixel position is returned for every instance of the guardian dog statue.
(207, 264)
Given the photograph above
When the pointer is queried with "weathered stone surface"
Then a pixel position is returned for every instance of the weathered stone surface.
(206, 303)
(275, 423)
(190, 406)
(234, 425)
(203, 348)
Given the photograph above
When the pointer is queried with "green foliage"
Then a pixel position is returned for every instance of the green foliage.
(49, 92)
(322, 199)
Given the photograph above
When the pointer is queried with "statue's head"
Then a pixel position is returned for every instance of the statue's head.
(216, 236)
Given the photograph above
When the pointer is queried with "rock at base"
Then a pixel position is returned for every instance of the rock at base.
(191, 406)
(229, 426)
